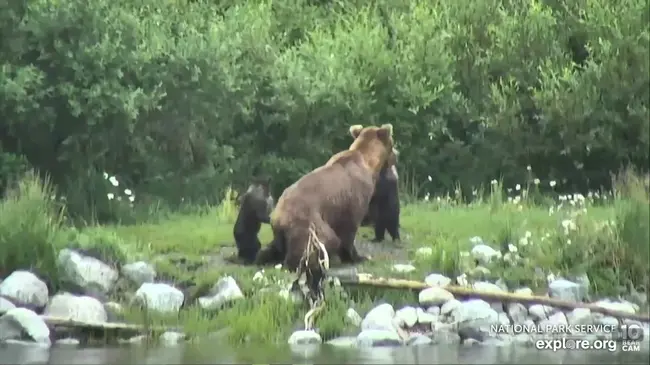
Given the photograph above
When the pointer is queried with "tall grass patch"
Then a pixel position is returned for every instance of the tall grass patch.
(30, 227)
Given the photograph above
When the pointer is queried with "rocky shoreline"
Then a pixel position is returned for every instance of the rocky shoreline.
(96, 292)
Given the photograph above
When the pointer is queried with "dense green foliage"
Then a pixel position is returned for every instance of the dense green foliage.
(181, 99)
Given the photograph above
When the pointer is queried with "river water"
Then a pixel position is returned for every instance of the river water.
(214, 353)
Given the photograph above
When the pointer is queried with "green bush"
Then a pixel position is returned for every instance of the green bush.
(183, 100)
(30, 229)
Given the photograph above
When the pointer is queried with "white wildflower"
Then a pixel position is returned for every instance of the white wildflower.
(568, 242)
(493, 182)
(536, 181)
(550, 277)
(528, 168)
(512, 248)
(562, 198)
(110, 196)
(528, 234)
(517, 187)
(426, 197)
(278, 266)
(128, 191)
(462, 280)
(552, 183)
(429, 178)
(523, 241)
(259, 276)
(131, 198)
(113, 181)
(105, 175)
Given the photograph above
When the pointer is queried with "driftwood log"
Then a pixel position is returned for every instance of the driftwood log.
(362, 279)
(113, 328)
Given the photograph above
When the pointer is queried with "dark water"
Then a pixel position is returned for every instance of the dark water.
(213, 353)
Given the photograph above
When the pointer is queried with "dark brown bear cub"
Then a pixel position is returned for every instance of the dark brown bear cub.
(332, 199)
(384, 207)
(255, 208)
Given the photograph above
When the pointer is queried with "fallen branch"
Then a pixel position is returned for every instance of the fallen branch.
(362, 279)
(114, 327)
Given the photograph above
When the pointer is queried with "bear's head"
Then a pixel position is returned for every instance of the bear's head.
(259, 196)
(375, 145)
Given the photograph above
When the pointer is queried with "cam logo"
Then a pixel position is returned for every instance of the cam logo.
(630, 336)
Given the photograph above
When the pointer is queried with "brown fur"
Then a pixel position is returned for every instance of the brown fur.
(334, 197)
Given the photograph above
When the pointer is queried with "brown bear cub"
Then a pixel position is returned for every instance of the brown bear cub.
(384, 208)
(333, 199)
(255, 208)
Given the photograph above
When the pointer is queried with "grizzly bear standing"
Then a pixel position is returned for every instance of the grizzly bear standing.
(334, 197)
(384, 208)
(256, 205)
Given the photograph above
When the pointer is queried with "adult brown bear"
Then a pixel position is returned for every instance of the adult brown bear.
(333, 199)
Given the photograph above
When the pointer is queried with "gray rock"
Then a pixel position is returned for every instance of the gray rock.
(403, 268)
(135, 340)
(517, 312)
(79, 308)
(139, 272)
(528, 292)
(25, 289)
(584, 282)
(304, 338)
(26, 352)
(476, 316)
(555, 321)
(419, 340)
(406, 317)
(5, 305)
(580, 316)
(434, 296)
(345, 341)
(622, 306)
(504, 320)
(379, 318)
(378, 338)
(18, 322)
(437, 280)
(353, 317)
(566, 290)
(426, 317)
(444, 333)
(113, 310)
(540, 312)
(447, 308)
(607, 321)
(159, 297)
(502, 285)
(224, 291)
(86, 272)
(171, 338)
(68, 341)
(484, 254)
(487, 287)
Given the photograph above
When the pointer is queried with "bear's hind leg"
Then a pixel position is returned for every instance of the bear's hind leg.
(248, 252)
(347, 252)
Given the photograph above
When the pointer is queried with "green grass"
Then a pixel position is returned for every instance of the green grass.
(607, 239)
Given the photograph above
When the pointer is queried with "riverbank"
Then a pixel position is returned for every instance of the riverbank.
(598, 242)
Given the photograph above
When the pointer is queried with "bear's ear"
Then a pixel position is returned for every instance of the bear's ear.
(355, 130)
(385, 131)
